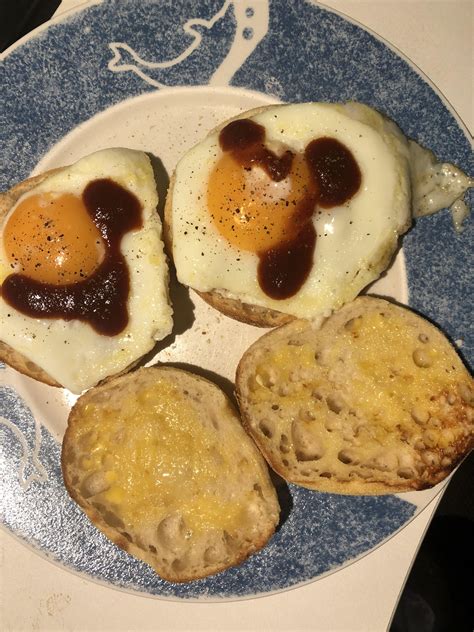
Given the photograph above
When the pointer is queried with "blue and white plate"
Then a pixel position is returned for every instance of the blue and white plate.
(157, 75)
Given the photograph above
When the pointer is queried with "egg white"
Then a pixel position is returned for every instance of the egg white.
(355, 242)
(72, 352)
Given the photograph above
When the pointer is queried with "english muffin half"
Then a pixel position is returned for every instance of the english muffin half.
(160, 463)
(374, 401)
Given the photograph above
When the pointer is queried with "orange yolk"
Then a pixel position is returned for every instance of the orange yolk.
(52, 239)
(252, 211)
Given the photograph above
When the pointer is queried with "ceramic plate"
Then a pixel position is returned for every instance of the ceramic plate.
(157, 76)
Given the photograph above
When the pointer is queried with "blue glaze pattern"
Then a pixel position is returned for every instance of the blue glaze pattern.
(116, 50)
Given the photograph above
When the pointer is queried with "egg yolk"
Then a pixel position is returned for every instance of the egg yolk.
(252, 211)
(52, 239)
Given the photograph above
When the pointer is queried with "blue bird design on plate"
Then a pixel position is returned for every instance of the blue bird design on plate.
(234, 32)
(20, 435)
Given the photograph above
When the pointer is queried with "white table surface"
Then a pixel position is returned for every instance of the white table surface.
(38, 595)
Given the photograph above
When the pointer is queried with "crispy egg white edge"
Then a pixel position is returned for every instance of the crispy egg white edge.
(72, 352)
(206, 261)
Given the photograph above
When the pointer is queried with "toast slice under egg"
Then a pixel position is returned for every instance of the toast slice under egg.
(226, 232)
(375, 401)
(160, 463)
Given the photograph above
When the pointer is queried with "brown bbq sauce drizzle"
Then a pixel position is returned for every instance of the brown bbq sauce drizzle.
(245, 139)
(101, 299)
(335, 178)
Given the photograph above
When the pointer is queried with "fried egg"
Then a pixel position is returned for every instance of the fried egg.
(84, 277)
(240, 231)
